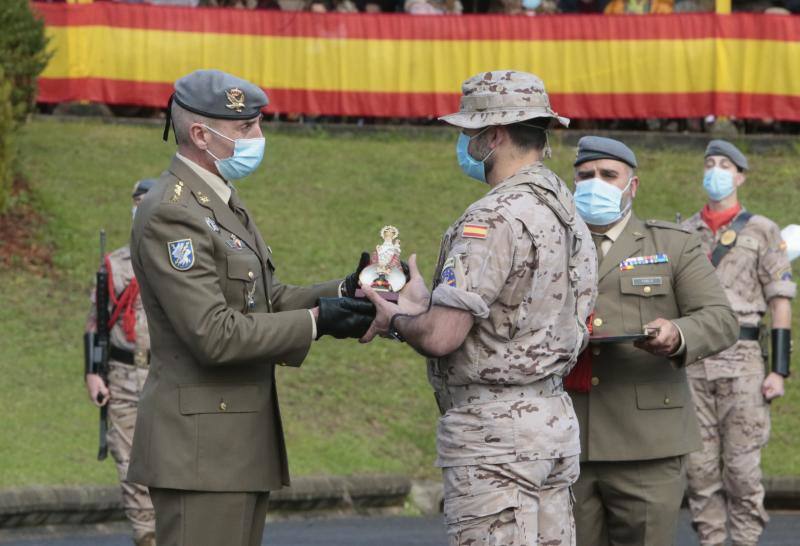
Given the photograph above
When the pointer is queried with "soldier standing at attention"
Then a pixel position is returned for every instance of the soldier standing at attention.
(506, 320)
(730, 391)
(209, 442)
(129, 358)
(637, 421)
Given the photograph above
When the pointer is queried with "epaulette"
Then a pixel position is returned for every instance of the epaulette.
(666, 225)
(175, 194)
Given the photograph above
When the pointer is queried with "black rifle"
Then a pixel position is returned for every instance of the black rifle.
(96, 344)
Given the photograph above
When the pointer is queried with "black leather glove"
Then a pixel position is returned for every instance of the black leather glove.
(344, 317)
(351, 281)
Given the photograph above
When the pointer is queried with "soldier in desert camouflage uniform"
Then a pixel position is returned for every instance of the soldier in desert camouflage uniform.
(730, 389)
(512, 291)
(128, 365)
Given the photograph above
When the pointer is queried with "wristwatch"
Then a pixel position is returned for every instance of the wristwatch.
(393, 333)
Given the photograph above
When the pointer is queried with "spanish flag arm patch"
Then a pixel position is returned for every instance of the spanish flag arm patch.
(475, 231)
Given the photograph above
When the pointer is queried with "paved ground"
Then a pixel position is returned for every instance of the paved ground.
(784, 530)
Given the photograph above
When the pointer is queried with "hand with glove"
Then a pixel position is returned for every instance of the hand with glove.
(343, 317)
(351, 282)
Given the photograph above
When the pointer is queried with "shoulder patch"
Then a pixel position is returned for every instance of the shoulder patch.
(666, 225)
(181, 254)
(475, 231)
(784, 275)
(448, 275)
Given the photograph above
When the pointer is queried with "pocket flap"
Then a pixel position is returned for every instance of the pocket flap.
(645, 285)
(195, 399)
(488, 503)
(244, 267)
(654, 396)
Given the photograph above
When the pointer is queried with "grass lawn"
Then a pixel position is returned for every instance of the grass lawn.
(319, 199)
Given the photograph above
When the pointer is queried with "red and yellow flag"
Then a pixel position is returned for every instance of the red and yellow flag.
(683, 65)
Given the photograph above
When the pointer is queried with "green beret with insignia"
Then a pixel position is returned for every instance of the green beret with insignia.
(217, 94)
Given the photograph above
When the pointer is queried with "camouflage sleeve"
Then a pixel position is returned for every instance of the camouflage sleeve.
(478, 264)
(774, 269)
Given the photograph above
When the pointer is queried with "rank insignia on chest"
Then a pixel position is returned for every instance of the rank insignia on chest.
(234, 242)
(212, 224)
(448, 275)
(630, 263)
(181, 254)
(475, 231)
(203, 198)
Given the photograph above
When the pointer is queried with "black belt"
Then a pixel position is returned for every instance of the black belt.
(127, 357)
(749, 333)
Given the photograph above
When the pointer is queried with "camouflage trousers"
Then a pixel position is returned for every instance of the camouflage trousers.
(125, 383)
(725, 475)
(513, 504)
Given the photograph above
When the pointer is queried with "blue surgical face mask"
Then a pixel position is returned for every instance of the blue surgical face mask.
(531, 4)
(471, 166)
(718, 184)
(600, 203)
(247, 156)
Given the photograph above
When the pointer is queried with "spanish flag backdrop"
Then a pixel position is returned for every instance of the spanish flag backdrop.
(396, 65)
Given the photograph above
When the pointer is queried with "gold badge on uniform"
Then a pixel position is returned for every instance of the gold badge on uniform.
(203, 198)
(728, 237)
(235, 99)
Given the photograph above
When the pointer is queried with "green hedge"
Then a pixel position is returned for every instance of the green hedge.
(7, 149)
(23, 56)
(23, 53)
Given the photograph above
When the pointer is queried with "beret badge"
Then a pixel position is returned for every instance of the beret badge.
(235, 98)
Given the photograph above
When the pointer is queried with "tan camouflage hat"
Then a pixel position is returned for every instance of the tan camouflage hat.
(502, 97)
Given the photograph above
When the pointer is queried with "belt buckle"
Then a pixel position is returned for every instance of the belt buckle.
(140, 359)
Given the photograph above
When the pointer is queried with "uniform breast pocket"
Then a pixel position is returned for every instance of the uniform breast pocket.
(244, 290)
(645, 297)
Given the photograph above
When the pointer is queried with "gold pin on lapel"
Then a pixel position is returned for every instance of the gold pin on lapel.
(203, 198)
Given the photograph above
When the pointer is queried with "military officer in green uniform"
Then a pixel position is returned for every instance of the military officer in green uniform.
(633, 403)
(209, 442)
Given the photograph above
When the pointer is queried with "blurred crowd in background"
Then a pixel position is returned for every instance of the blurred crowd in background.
(509, 7)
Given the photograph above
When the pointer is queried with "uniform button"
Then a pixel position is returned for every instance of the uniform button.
(647, 289)
(666, 400)
(223, 406)
(598, 322)
(595, 350)
(250, 274)
(595, 381)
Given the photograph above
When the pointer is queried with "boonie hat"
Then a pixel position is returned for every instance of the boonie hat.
(502, 97)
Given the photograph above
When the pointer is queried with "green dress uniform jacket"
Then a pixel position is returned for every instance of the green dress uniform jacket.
(639, 406)
(219, 323)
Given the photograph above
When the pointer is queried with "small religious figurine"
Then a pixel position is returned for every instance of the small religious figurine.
(385, 273)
